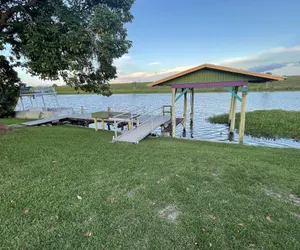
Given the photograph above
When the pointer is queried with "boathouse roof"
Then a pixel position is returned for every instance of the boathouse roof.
(209, 73)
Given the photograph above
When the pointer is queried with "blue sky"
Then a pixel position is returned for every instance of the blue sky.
(171, 35)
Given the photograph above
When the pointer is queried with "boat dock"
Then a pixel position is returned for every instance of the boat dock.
(140, 125)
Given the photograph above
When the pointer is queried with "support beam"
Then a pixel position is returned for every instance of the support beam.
(230, 110)
(173, 113)
(103, 125)
(192, 107)
(184, 111)
(243, 115)
(129, 125)
(96, 124)
(233, 111)
(233, 93)
(182, 93)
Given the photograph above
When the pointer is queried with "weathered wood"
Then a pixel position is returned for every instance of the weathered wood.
(173, 114)
(168, 128)
(243, 116)
(184, 110)
(103, 125)
(233, 112)
(192, 106)
(96, 124)
(136, 134)
(231, 108)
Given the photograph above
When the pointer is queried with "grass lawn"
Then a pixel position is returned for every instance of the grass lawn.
(292, 83)
(13, 121)
(71, 188)
(267, 123)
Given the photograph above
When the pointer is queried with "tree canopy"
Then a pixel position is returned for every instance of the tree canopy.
(73, 40)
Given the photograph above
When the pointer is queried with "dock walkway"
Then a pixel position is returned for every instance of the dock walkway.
(138, 133)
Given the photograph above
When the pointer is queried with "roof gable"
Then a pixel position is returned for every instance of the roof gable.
(214, 73)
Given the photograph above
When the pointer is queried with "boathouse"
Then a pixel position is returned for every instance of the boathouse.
(212, 76)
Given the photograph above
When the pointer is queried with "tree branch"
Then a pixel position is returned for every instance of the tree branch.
(6, 15)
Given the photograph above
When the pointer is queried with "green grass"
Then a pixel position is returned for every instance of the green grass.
(12, 121)
(292, 83)
(267, 123)
(124, 187)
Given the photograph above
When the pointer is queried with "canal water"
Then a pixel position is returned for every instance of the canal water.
(206, 105)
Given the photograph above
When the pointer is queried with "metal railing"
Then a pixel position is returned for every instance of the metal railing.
(144, 118)
(133, 115)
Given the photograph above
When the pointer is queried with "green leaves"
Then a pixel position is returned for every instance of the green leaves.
(9, 88)
(76, 41)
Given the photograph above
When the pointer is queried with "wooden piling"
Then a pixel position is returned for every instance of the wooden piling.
(243, 115)
(103, 124)
(184, 111)
(231, 108)
(233, 112)
(173, 113)
(96, 124)
(192, 106)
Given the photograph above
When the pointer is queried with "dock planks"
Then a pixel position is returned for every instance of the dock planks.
(146, 127)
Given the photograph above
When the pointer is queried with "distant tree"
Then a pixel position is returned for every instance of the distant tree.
(54, 85)
(134, 85)
(9, 88)
(268, 73)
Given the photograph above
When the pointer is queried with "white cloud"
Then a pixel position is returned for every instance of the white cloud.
(149, 77)
(123, 61)
(279, 61)
(154, 63)
(276, 58)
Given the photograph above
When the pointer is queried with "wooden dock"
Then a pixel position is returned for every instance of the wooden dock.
(138, 133)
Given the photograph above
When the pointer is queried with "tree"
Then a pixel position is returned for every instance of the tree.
(54, 85)
(9, 88)
(74, 40)
(134, 85)
(268, 73)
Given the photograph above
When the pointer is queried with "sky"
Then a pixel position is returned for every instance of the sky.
(170, 36)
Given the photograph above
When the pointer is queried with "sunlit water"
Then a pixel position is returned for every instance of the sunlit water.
(206, 105)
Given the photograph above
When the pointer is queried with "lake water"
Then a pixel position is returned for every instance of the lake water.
(206, 105)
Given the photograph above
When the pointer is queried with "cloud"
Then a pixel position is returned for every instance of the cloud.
(279, 61)
(123, 61)
(154, 63)
(149, 77)
(269, 67)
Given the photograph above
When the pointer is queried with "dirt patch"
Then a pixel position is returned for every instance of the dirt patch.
(272, 193)
(295, 199)
(296, 215)
(171, 213)
(4, 129)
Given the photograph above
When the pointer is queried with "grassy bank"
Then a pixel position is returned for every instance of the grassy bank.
(292, 83)
(12, 121)
(71, 188)
(267, 123)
